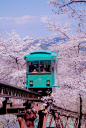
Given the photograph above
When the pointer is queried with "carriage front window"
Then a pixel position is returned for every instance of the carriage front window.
(45, 66)
(33, 67)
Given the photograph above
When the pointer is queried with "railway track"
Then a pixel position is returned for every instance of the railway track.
(49, 112)
(11, 91)
(26, 110)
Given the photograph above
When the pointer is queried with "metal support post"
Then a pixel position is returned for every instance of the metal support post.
(57, 120)
(42, 119)
(50, 120)
(66, 122)
(30, 115)
(61, 121)
(6, 104)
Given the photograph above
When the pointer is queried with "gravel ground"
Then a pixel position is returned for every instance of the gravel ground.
(9, 121)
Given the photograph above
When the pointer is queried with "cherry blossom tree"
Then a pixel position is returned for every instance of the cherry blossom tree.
(74, 8)
(12, 50)
(71, 69)
(72, 60)
(71, 64)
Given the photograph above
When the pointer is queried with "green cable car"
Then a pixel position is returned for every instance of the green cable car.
(41, 72)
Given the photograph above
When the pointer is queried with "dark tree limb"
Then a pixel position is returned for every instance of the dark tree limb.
(80, 118)
(73, 2)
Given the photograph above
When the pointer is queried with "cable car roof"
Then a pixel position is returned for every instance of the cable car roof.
(41, 55)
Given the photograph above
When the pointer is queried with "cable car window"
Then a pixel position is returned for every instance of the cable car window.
(52, 66)
(45, 66)
(33, 67)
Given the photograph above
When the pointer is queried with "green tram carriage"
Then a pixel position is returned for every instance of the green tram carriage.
(41, 72)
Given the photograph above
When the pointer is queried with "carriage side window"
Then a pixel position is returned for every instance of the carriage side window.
(33, 67)
(45, 66)
(52, 66)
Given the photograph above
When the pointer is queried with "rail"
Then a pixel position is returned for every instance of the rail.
(11, 91)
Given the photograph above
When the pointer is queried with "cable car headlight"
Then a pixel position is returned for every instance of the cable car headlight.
(31, 83)
(48, 82)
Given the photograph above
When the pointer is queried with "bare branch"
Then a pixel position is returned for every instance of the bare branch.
(73, 2)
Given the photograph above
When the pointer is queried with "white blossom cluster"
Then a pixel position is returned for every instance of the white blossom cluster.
(75, 9)
(72, 60)
(71, 71)
(9, 121)
(71, 65)
(12, 51)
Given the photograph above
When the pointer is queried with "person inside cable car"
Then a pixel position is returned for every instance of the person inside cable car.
(31, 67)
(34, 71)
(48, 68)
(44, 71)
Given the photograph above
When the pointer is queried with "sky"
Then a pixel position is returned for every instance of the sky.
(26, 17)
